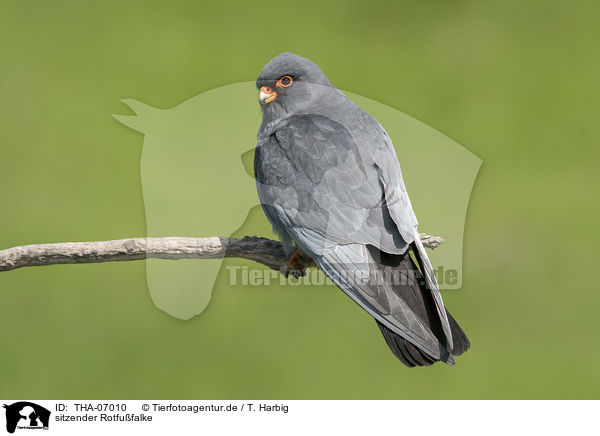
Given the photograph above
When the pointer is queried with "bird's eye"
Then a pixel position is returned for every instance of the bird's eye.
(284, 82)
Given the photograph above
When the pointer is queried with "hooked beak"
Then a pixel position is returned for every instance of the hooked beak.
(266, 95)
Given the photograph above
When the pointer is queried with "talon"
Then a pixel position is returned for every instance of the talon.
(288, 271)
(297, 264)
(298, 255)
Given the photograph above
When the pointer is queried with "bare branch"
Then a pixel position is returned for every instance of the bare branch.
(261, 250)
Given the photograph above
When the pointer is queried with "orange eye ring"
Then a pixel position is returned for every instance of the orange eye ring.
(285, 81)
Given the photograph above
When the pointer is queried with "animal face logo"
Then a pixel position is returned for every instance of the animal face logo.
(26, 415)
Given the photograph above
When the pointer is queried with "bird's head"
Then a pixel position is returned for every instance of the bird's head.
(289, 84)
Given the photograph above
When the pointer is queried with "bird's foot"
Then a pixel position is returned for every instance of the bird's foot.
(297, 264)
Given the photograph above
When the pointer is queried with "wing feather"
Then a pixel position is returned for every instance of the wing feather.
(377, 297)
(333, 194)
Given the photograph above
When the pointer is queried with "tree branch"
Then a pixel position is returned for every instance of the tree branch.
(261, 250)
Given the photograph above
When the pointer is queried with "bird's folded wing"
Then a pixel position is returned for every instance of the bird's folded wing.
(325, 187)
(434, 288)
(354, 271)
(311, 175)
(401, 212)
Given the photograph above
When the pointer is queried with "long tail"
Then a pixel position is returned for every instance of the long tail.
(411, 356)
(422, 302)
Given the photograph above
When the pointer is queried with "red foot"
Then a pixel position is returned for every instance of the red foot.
(293, 261)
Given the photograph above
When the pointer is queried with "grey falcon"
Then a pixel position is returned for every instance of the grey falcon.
(330, 183)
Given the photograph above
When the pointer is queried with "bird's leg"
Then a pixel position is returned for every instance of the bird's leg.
(297, 264)
(293, 260)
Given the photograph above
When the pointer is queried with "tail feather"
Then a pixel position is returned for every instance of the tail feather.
(406, 352)
(423, 303)
(461, 341)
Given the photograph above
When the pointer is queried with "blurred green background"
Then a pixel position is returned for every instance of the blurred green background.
(516, 83)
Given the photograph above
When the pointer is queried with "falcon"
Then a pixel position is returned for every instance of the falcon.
(330, 184)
